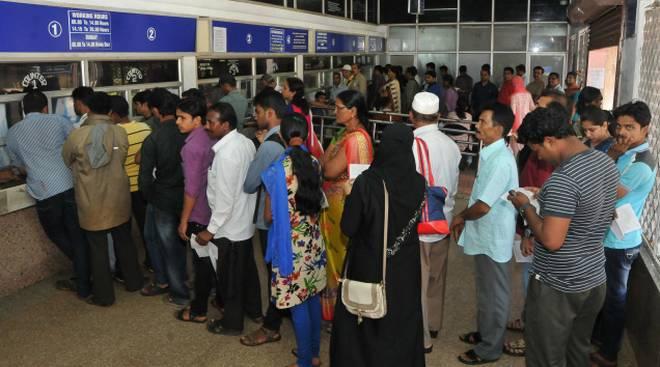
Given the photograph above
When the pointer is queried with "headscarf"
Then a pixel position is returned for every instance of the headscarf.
(504, 97)
(518, 85)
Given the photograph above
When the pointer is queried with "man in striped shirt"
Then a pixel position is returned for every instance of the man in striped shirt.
(567, 285)
(34, 145)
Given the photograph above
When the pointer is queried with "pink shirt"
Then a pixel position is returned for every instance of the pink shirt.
(196, 158)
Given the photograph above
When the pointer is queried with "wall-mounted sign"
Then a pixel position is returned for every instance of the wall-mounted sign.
(34, 80)
(134, 75)
(56, 29)
(376, 44)
(240, 37)
(328, 42)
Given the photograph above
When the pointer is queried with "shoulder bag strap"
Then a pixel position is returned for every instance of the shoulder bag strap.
(427, 160)
(386, 220)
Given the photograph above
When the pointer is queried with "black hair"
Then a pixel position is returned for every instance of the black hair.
(554, 74)
(539, 68)
(119, 106)
(194, 107)
(639, 111)
(100, 103)
(509, 69)
(227, 79)
(462, 69)
(587, 96)
(269, 98)
(82, 94)
(571, 73)
(411, 70)
(298, 88)
(502, 116)
(309, 194)
(431, 73)
(444, 67)
(336, 73)
(557, 97)
(142, 97)
(430, 65)
(379, 68)
(595, 115)
(486, 67)
(193, 93)
(34, 101)
(226, 112)
(486, 70)
(449, 79)
(521, 67)
(164, 101)
(545, 122)
(353, 98)
(319, 94)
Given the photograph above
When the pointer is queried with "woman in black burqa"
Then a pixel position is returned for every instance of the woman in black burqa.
(397, 339)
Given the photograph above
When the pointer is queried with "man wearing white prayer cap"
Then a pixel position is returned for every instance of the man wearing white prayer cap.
(439, 152)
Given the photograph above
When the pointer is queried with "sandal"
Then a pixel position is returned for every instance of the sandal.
(515, 348)
(215, 327)
(191, 317)
(471, 338)
(259, 337)
(515, 325)
(153, 289)
(601, 361)
(471, 358)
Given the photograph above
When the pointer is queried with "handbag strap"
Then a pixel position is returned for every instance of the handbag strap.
(425, 162)
(386, 220)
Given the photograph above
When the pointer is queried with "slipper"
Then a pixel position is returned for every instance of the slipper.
(179, 315)
(473, 359)
(471, 338)
(294, 351)
(259, 337)
(601, 361)
(515, 325)
(515, 348)
(153, 289)
(215, 327)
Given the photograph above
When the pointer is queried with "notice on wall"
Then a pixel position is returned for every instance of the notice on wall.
(277, 40)
(334, 7)
(219, 39)
(596, 78)
(89, 30)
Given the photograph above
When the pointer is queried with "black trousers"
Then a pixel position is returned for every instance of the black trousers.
(273, 318)
(139, 207)
(236, 266)
(205, 278)
(103, 288)
(58, 216)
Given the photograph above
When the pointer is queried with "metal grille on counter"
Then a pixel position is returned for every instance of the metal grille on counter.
(649, 91)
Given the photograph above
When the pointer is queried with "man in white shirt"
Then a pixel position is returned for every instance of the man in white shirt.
(231, 228)
(443, 159)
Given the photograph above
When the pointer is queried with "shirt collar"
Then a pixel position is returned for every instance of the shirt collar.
(224, 140)
(272, 131)
(640, 148)
(425, 129)
(489, 150)
(195, 133)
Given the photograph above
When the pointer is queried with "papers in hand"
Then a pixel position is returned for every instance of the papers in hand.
(210, 250)
(625, 222)
(517, 252)
(530, 195)
(355, 170)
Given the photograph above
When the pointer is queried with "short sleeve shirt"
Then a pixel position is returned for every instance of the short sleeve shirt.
(492, 234)
(583, 189)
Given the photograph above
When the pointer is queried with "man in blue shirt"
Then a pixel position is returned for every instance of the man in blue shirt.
(485, 230)
(432, 85)
(637, 167)
(34, 146)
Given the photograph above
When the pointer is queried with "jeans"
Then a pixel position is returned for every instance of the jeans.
(609, 326)
(167, 252)
(306, 319)
(58, 216)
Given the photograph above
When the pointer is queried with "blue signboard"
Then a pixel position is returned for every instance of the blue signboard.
(240, 37)
(376, 44)
(328, 42)
(40, 28)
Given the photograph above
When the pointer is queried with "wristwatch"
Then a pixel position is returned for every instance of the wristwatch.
(522, 209)
(527, 233)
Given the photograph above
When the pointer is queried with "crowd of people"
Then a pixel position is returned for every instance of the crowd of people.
(197, 182)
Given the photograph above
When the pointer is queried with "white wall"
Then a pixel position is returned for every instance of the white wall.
(631, 58)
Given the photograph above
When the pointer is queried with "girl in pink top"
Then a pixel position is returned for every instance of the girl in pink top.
(521, 104)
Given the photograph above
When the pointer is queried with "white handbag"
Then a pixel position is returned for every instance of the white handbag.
(367, 299)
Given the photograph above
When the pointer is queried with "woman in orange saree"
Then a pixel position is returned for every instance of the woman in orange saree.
(351, 145)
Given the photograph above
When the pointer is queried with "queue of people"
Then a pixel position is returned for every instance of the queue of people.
(191, 178)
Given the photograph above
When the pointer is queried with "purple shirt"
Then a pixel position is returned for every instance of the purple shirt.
(196, 157)
(451, 98)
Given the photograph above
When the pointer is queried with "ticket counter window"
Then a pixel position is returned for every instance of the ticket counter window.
(48, 76)
(116, 73)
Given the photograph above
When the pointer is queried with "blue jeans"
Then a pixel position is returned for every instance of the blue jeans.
(58, 216)
(306, 319)
(167, 251)
(609, 326)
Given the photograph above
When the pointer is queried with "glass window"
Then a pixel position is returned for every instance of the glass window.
(273, 2)
(500, 61)
(510, 37)
(245, 87)
(401, 39)
(395, 12)
(473, 63)
(510, 10)
(359, 10)
(290, 3)
(310, 5)
(41, 75)
(339, 61)
(275, 65)
(547, 37)
(475, 38)
(372, 11)
(335, 7)
(10, 113)
(311, 80)
(437, 38)
(111, 73)
(63, 106)
(476, 10)
(550, 63)
(439, 59)
(442, 16)
(213, 68)
(316, 62)
(547, 10)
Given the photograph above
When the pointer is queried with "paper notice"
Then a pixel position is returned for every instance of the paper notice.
(219, 39)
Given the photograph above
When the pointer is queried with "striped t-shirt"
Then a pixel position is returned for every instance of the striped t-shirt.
(583, 188)
(137, 132)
